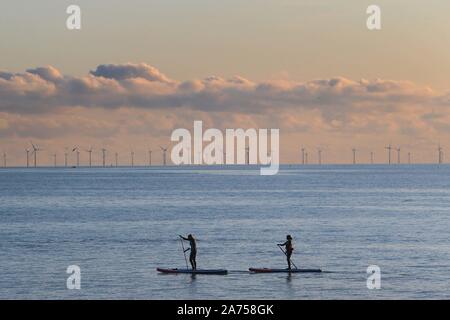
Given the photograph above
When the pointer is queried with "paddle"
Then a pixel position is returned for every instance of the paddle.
(184, 252)
(286, 256)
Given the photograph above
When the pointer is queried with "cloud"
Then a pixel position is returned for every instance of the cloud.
(6, 75)
(48, 73)
(45, 89)
(130, 71)
(132, 102)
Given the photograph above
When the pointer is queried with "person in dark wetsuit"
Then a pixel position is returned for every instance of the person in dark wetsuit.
(289, 249)
(193, 249)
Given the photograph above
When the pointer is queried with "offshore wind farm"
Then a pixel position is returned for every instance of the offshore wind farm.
(104, 159)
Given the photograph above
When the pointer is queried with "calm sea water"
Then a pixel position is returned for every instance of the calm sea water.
(119, 224)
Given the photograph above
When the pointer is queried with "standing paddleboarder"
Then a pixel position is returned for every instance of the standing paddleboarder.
(193, 249)
(289, 249)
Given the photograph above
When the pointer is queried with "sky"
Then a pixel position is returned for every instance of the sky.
(137, 70)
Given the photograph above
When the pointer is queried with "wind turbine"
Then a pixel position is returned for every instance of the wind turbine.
(164, 150)
(306, 157)
(389, 148)
(440, 154)
(104, 156)
(116, 156)
(247, 155)
(4, 159)
(354, 155)
(132, 158)
(28, 157)
(65, 157)
(371, 157)
(35, 151)
(149, 157)
(409, 157)
(77, 150)
(398, 155)
(303, 156)
(90, 155)
(54, 160)
(319, 154)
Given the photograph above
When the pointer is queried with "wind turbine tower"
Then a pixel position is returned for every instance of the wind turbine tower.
(150, 157)
(104, 157)
(164, 150)
(77, 150)
(319, 154)
(28, 157)
(132, 158)
(389, 148)
(440, 154)
(354, 155)
(90, 156)
(35, 151)
(116, 156)
(4, 159)
(54, 160)
(371, 157)
(247, 155)
(303, 156)
(65, 157)
(398, 155)
(409, 157)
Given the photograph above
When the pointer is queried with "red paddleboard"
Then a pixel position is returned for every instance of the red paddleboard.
(190, 271)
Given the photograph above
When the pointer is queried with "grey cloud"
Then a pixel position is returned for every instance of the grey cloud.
(128, 71)
(6, 75)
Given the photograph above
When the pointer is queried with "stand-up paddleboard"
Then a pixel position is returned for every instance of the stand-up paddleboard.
(190, 271)
(269, 270)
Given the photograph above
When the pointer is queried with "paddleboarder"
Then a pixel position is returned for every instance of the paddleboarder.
(289, 249)
(193, 249)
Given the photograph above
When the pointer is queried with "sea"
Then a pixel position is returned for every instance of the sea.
(117, 225)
